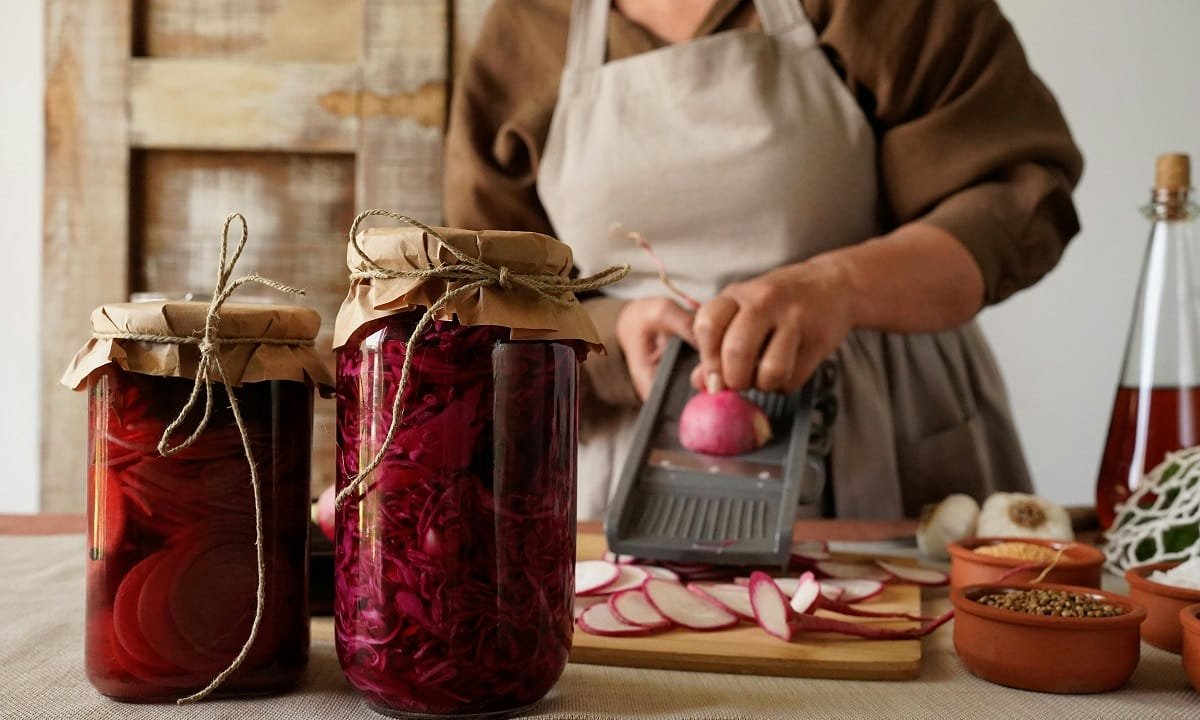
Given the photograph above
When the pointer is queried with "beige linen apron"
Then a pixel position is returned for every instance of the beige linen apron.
(734, 154)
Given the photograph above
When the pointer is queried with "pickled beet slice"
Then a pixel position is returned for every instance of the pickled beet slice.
(211, 596)
(154, 617)
(126, 625)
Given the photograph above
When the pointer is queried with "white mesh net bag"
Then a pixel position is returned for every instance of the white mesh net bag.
(1160, 522)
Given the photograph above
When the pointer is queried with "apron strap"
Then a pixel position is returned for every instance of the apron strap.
(781, 16)
(587, 38)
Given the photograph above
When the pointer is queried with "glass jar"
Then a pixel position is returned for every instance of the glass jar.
(455, 564)
(172, 569)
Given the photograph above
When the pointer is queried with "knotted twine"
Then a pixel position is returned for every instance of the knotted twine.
(210, 370)
(475, 274)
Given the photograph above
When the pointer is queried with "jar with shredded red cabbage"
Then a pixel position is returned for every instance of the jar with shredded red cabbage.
(455, 554)
(172, 568)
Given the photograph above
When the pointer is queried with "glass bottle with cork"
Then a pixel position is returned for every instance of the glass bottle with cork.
(1157, 405)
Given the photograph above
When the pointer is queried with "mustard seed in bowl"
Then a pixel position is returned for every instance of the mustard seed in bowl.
(1016, 550)
(1056, 603)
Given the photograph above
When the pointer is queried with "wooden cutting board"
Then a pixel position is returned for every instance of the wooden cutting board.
(746, 649)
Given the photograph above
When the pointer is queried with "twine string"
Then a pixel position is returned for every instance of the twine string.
(209, 370)
(476, 275)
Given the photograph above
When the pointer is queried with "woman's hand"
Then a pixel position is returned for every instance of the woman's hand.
(643, 328)
(772, 332)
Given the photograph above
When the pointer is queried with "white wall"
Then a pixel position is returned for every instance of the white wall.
(20, 275)
(1126, 76)
(1125, 73)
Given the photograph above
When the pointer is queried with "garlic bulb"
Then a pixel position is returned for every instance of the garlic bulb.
(941, 524)
(1021, 515)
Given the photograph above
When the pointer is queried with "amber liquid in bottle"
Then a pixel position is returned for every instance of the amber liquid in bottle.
(1171, 421)
(1156, 409)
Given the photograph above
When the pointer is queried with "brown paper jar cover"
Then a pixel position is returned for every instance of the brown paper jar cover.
(529, 316)
(243, 363)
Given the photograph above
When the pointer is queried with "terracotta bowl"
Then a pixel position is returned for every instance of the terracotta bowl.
(1189, 618)
(1046, 654)
(1080, 564)
(1162, 603)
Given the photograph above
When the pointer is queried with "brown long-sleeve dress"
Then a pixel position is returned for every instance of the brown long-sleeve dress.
(968, 139)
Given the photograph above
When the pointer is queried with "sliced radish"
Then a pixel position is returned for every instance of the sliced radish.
(854, 589)
(816, 623)
(593, 576)
(630, 578)
(631, 607)
(915, 575)
(612, 557)
(600, 620)
(685, 607)
(661, 573)
(832, 592)
(586, 601)
(810, 551)
(771, 608)
(734, 598)
(807, 594)
(858, 571)
(845, 609)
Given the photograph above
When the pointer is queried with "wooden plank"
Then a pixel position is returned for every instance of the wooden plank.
(277, 30)
(404, 76)
(238, 105)
(86, 218)
(748, 650)
(298, 208)
(468, 19)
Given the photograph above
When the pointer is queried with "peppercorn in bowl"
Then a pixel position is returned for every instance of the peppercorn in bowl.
(976, 560)
(1047, 637)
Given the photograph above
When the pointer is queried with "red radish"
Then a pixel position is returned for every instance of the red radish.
(322, 511)
(807, 595)
(630, 577)
(661, 573)
(593, 576)
(914, 575)
(831, 592)
(600, 620)
(787, 585)
(859, 571)
(734, 598)
(685, 607)
(854, 589)
(842, 608)
(586, 601)
(777, 618)
(722, 423)
(771, 608)
(631, 607)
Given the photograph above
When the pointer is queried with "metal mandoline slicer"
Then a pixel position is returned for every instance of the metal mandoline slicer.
(675, 505)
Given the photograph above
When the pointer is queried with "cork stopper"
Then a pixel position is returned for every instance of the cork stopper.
(1172, 171)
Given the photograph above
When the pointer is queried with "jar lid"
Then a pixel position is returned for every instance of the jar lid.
(161, 338)
(412, 250)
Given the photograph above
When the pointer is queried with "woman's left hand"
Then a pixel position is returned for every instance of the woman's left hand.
(773, 331)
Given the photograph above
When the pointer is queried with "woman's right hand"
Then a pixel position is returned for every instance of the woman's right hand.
(643, 328)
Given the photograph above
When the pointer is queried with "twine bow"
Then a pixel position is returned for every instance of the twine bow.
(210, 370)
(475, 274)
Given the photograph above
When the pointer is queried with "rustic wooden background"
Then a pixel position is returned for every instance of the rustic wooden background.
(163, 116)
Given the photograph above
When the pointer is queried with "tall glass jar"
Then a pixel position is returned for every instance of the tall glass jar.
(455, 555)
(455, 571)
(172, 568)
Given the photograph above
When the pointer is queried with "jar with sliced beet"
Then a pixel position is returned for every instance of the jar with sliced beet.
(172, 567)
(455, 528)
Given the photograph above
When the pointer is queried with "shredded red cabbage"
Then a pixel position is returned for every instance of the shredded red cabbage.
(455, 571)
(172, 571)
